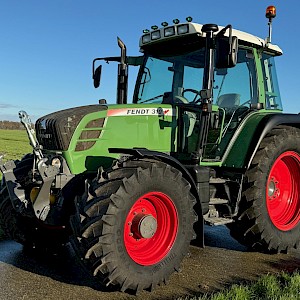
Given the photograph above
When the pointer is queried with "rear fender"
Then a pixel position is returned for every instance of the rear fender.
(267, 124)
(246, 143)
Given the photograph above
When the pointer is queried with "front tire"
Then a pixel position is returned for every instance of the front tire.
(31, 233)
(269, 215)
(10, 223)
(135, 224)
(13, 224)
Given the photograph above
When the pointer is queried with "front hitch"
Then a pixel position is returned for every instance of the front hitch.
(47, 172)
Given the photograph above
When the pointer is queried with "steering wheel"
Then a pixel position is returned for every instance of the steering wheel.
(197, 93)
(246, 102)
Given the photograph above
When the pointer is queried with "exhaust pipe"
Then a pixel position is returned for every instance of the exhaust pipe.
(122, 75)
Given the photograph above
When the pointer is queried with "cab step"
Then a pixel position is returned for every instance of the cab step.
(214, 201)
(215, 180)
(216, 221)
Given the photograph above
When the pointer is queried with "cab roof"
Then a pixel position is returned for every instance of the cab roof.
(159, 35)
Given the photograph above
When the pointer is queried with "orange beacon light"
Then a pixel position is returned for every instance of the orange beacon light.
(271, 12)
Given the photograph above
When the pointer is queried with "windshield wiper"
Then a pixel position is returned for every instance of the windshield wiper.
(148, 100)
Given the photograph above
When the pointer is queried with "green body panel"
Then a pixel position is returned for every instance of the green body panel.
(125, 126)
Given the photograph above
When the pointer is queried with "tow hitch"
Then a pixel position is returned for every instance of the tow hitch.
(47, 172)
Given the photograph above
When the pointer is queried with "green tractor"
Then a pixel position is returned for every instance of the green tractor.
(204, 141)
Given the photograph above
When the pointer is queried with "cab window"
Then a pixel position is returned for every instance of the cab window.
(273, 100)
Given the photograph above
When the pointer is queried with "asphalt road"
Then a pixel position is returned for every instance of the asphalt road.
(220, 264)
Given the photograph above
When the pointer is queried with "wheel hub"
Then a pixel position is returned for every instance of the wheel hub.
(147, 226)
(272, 188)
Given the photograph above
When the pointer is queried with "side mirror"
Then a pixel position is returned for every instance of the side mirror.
(226, 52)
(97, 76)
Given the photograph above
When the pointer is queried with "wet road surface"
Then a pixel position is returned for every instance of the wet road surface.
(223, 262)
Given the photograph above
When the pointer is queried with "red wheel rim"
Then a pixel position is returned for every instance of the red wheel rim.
(150, 228)
(282, 191)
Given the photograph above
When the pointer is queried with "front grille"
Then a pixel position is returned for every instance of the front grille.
(54, 131)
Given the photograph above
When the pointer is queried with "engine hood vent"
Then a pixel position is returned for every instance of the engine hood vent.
(54, 131)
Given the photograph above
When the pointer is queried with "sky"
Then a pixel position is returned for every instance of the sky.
(47, 46)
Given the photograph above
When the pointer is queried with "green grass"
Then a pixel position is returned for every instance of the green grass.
(269, 287)
(14, 144)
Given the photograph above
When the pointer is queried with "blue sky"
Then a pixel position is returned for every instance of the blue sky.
(47, 46)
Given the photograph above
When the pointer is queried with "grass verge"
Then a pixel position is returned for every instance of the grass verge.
(14, 143)
(282, 286)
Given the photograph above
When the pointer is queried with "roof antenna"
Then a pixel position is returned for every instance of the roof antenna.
(270, 14)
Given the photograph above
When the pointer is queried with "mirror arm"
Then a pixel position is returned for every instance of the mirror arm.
(223, 31)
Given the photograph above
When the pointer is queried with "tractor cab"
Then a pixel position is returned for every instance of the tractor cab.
(207, 72)
(213, 77)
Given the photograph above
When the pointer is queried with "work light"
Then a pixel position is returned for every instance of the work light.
(146, 38)
(182, 29)
(169, 31)
(155, 35)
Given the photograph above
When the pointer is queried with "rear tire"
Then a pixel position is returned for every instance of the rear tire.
(134, 226)
(269, 214)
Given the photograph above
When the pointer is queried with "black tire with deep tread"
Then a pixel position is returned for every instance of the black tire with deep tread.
(253, 226)
(12, 223)
(9, 221)
(98, 225)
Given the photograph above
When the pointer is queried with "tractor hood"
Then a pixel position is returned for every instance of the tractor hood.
(54, 131)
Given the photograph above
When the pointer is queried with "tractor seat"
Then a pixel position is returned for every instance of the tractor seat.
(229, 100)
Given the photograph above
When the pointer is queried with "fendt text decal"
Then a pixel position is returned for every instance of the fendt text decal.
(141, 112)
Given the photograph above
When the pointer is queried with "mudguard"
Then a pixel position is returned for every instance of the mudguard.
(248, 138)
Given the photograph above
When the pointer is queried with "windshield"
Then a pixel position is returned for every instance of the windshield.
(178, 79)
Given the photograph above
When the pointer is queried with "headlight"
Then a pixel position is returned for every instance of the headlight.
(146, 38)
(155, 35)
(182, 29)
(169, 31)
(55, 162)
